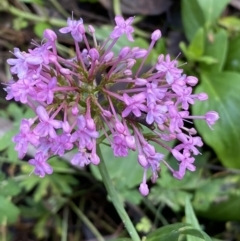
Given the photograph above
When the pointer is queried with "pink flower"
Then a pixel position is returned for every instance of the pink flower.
(41, 166)
(134, 104)
(47, 125)
(122, 27)
(75, 27)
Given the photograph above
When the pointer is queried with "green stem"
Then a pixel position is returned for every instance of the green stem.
(88, 223)
(115, 199)
(29, 16)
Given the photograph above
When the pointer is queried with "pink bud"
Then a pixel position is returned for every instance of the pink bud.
(130, 63)
(95, 160)
(94, 54)
(140, 82)
(191, 80)
(49, 35)
(75, 110)
(91, 29)
(143, 189)
(90, 124)
(130, 141)
(127, 72)
(65, 71)
(211, 117)
(107, 113)
(142, 160)
(149, 149)
(124, 52)
(120, 127)
(66, 126)
(156, 35)
(140, 53)
(202, 96)
(108, 57)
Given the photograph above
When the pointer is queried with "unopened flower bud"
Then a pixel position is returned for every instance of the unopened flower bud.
(130, 141)
(156, 35)
(66, 126)
(211, 117)
(94, 54)
(75, 110)
(90, 124)
(143, 189)
(127, 72)
(50, 35)
(142, 160)
(91, 29)
(130, 63)
(191, 80)
(140, 53)
(65, 71)
(202, 96)
(107, 113)
(140, 82)
(95, 160)
(124, 52)
(120, 127)
(108, 57)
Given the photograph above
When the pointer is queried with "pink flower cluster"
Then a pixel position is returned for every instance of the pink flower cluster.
(73, 108)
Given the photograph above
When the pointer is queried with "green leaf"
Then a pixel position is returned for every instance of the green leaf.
(191, 218)
(8, 211)
(212, 9)
(219, 41)
(9, 188)
(231, 23)
(121, 169)
(223, 90)
(40, 27)
(196, 46)
(192, 17)
(6, 139)
(233, 55)
(167, 233)
(196, 234)
(219, 198)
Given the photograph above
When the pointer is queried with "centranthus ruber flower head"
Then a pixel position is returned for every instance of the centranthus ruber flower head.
(73, 106)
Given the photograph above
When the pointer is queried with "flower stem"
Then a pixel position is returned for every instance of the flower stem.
(115, 199)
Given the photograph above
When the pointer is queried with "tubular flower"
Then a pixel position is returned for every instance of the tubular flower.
(73, 105)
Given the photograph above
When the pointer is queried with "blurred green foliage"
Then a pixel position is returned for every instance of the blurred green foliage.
(213, 54)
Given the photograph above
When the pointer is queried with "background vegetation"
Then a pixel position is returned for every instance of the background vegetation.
(72, 204)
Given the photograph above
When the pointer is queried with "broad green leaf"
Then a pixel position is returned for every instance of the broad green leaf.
(8, 211)
(192, 17)
(196, 46)
(196, 234)
(223, 90)
(231, 23)
(212, 9)
(191, 218)
(125, 172)
(193, 57)
(166, 233)
(218, 41)
(9, 187)
(219, 198)
(233, 55)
